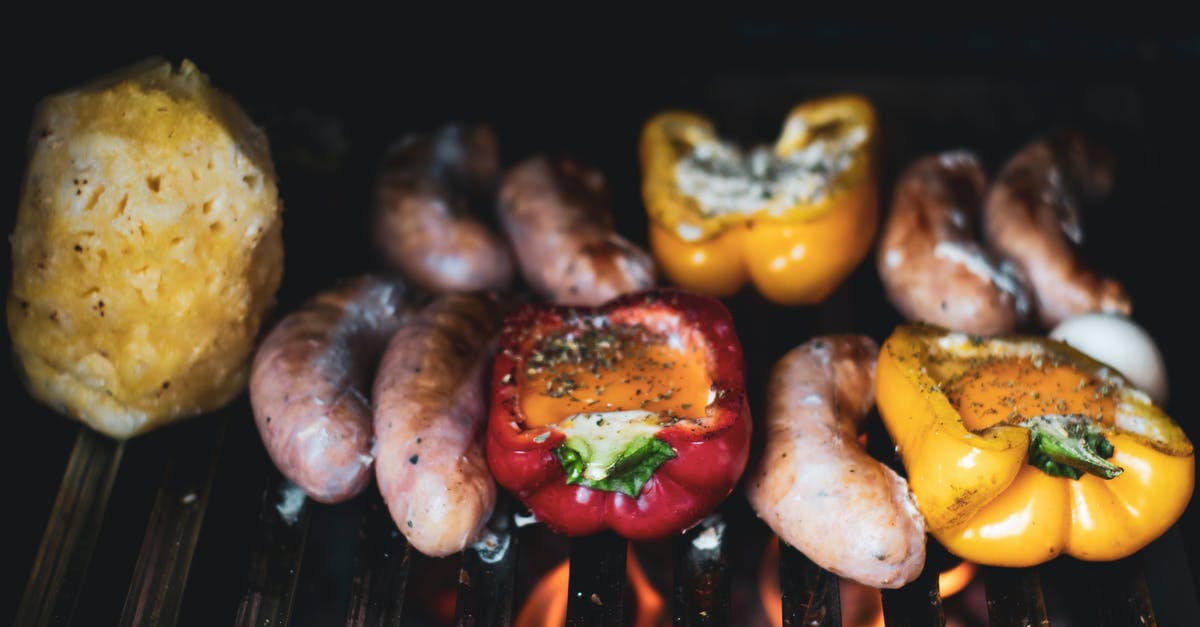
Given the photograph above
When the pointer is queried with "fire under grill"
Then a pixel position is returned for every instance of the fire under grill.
(266, 556)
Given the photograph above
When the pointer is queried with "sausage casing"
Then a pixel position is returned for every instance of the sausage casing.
(309, 381)
(1032, 218)
(557, 218)
(430, 409)
(816, 486)
(928, 260)
(433, 202)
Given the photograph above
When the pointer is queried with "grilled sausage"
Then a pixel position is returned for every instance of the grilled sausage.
(815, 486)
(557, 219)
(435, 193)
(1031, 218)
(309, 382)
(430, 410)
(931, 266)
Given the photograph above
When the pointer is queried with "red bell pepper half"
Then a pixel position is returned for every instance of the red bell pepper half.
(630, 416)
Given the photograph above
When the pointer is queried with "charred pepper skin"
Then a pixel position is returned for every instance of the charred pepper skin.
(709, 458)
(796, 256)
(982, 499)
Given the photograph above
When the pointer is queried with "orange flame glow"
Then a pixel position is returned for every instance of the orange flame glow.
(952, 581)
(862, 606)
(768, 583)
(547, 603)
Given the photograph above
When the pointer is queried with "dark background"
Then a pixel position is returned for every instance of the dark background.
(332, 95)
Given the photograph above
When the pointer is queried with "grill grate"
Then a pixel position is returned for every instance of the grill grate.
(485, 580)
(275, 560)
(380, 572)
(70, 538)
(485, 594)
(1014, 596)
(810, 594)
(161, 572)
(596, 592)
(702, 587)
(919, 604)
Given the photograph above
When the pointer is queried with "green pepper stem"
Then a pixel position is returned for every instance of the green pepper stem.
(1068, 446)
(630, 470)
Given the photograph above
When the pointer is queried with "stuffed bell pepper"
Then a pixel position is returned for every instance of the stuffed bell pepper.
(631, 416)
(1022, 448)
(794, 219)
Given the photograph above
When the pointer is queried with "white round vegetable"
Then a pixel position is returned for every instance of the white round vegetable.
(1122, 344)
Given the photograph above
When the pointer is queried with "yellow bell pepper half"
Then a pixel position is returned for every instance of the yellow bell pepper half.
(1022, 448)
(795, 220)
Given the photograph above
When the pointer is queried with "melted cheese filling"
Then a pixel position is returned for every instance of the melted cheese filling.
(722, 179)
(604, 435)
(1010, 390)
(627, 368)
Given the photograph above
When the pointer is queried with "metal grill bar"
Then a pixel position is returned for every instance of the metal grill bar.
(1118, 591)
(276, 555)
(1122, 595)
(70, 539)
(597, 586)
(380, 571)
(810, 593)
(918, 604)
(1014, 597)
(485, 579)
(160, 576)
(701, 582)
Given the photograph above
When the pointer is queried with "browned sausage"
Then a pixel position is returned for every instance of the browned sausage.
(434, 193)
(557, 218)
(1031, 218)
(815, 486)
(309, 382)
(931, 266)
(430, 410)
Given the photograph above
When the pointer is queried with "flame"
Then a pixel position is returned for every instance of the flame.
(547, 603)
(862, 606)
(952, 581)
(768, 583)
